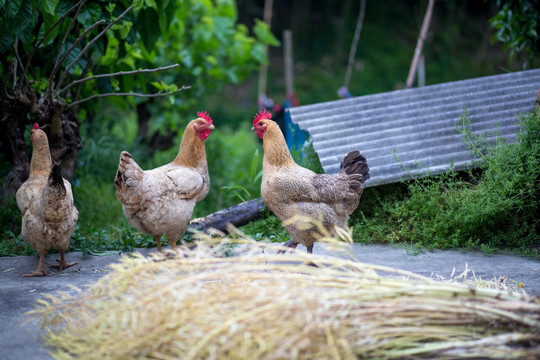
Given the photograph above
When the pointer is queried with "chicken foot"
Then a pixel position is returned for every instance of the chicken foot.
(40, 271)
(171, 242)
(293, 245)
(62, 263)
(290, 244)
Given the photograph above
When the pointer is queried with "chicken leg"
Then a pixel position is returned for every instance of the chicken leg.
(62, 263)
(173, 245)
(158, 242)
(40, 271)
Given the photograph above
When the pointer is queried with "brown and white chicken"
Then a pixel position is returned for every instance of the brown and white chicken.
(294, 193)
(46, 203)
(161, 201)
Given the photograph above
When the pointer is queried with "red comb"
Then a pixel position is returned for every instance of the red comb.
(263, 114)
(204, 115)
(36, 126)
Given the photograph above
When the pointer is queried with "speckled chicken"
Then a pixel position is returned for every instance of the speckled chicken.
(161, 201)
(292, 192)
(46, 203)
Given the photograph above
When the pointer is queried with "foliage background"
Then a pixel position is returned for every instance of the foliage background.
(460, 45)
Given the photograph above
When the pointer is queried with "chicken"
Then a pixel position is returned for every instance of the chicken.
(294, 193)
(46, 203)
(161, 201)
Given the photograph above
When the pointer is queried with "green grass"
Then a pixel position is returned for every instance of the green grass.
(495, 208)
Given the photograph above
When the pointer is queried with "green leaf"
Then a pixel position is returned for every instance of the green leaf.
(227, 8)
(125, 28)
(89, 14)
(169, 10)
(12, 7)
(157, 85)
(48, 21)
(110, 8)
(49, 6)
(146, 25)
(152, 4)
(137, 6)
(24, 19)
(263, 33)
(186, 58)
(5, 41)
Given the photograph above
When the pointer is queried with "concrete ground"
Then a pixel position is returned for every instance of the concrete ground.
(19, 335)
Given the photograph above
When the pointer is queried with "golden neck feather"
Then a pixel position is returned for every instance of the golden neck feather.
(191, 152)
(276, 151)
(41, 163)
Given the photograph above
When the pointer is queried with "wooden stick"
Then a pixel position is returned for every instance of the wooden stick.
(420, 43)
(356, 37)
(288, 62)
(237, 215)
(263, 70)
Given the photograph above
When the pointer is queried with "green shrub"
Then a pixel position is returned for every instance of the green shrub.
(11, 242)
(492, 209)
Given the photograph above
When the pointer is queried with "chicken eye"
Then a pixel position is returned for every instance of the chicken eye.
(260, 123)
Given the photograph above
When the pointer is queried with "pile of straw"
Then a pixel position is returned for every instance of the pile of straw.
(260, 305)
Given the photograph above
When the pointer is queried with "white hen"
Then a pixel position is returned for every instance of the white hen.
(161, 201)
(46, 203)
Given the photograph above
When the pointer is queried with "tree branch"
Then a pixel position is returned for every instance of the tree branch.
(85, 71)
(129, 94)
(58, 63)
(120, 73)
(80, 3)
(17, 62)
(83, 51)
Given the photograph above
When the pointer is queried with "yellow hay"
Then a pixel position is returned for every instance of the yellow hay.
(261, 305)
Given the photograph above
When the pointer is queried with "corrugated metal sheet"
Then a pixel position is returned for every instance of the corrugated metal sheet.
(417, 125)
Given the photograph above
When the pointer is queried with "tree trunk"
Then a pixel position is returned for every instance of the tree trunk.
(15, 115)
(15, 147)
(64, 149)
(237, 215)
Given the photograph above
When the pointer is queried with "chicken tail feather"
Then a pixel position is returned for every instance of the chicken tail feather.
(55, 179)
(127, 180)
(129, 172)
(54, 205)
(355, 166)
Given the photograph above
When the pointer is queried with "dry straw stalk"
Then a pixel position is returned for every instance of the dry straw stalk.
(260, 305)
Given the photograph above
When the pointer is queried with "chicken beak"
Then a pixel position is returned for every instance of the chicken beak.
(252, 128)
(211, 126)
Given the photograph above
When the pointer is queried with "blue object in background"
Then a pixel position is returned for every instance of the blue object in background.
(294, 136)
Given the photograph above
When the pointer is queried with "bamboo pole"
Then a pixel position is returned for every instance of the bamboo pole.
(354, 45)
(288, 62)
(263, 70)
(420, 43)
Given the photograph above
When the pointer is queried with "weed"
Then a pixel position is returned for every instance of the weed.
(241, 192)
(267, 228)
(494, 208)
